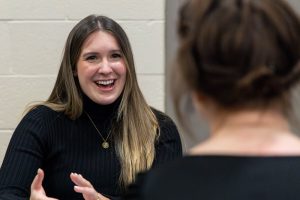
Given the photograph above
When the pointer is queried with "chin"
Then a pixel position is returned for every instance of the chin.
(106, 101)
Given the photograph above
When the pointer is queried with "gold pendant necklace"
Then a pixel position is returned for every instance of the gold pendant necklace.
(105, 144)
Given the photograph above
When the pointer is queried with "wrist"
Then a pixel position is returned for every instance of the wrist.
(101, 197)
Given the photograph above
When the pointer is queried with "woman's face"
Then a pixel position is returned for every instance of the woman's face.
(101, 68)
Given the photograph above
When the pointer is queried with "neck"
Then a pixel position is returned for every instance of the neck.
(255, 122)
(251, 133)
(100, 112)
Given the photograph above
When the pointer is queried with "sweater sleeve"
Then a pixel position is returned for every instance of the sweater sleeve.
(22, 159)
(168, 146)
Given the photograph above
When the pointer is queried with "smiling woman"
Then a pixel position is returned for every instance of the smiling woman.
(95, 132)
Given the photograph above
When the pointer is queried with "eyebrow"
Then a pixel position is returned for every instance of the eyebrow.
(90, 53)
(96, 53)
(116, 50)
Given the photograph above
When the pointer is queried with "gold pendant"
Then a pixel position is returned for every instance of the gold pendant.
(105, 145)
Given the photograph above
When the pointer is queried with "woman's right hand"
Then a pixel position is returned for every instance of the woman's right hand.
(37, 191)
(84, 187)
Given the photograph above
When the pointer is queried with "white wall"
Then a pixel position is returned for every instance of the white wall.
(32, 36)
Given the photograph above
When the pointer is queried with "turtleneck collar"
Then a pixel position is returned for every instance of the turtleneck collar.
(100, 112)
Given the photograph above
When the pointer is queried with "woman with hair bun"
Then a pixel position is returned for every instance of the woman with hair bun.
(239, 61)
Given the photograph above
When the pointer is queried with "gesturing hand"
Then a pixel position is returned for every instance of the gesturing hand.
(37, 190)
(84, 187)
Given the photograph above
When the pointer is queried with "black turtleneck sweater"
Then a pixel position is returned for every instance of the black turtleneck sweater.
(50, 140)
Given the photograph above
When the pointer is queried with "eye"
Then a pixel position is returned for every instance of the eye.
(116, 56)
(91, 58)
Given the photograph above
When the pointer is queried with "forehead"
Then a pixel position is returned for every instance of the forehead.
(101, 40)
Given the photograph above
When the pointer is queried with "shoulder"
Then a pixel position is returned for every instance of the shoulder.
(171, 169)
(42, 111)
(165, 122)
(42, 115)
(33, 129)
(168, 132)
(163, 182)
(161, 116)
(40, 122)
(213, 177)
(169, 141)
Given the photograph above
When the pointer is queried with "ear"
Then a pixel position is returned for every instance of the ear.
(199, 101)
(198, 97)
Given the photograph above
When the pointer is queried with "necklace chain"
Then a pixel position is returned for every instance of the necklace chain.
(104, 144)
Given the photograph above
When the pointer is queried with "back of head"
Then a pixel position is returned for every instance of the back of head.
(240, 53)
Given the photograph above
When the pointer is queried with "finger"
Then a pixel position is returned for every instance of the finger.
(84, 190)
(79, 180)
(38, 180)
(88, 192)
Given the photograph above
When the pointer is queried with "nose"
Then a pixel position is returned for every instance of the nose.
(104, 67)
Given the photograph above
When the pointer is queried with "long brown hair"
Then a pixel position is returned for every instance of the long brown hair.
(138, 127)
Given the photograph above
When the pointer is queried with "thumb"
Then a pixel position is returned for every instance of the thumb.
(38, 180)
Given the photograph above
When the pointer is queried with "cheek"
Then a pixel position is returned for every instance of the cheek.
(123, 69)
(80, 74)
(85, 71)
(120, 69)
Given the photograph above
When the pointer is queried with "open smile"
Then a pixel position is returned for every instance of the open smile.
(106, 83)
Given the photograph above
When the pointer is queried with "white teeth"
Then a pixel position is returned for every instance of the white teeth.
(107, 82)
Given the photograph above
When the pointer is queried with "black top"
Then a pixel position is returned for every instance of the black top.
(49, 140)
(221, 178)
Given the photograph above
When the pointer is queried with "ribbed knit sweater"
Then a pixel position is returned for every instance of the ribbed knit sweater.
(50, 140)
